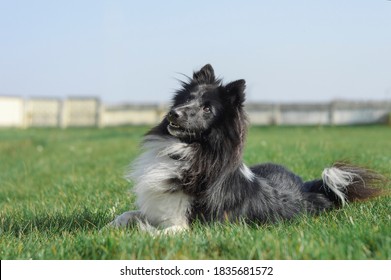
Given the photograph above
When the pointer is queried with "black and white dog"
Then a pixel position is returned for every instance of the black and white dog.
(191, 168)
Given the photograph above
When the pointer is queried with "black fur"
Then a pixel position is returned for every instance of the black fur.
(209, 117)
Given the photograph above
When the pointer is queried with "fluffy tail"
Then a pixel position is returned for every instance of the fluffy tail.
(343, 183)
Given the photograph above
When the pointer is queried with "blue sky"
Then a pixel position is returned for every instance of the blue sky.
(133, 51)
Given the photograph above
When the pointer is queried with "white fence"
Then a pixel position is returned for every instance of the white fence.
(49, 112)
(11, 111)
(79, 112)
(132, 114)
(333, 113)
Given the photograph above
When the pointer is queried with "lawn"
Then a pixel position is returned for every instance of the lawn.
(58, 188)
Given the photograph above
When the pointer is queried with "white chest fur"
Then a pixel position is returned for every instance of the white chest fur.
(158, 198)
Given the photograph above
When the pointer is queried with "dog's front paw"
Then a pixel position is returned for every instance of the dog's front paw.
(174, 230)
(126, 219)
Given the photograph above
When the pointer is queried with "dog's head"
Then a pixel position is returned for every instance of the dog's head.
(203, 104)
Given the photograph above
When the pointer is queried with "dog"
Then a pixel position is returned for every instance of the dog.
(191, 168)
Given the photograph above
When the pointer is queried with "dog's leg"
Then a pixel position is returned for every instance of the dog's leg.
(127, 219)
(135, 218)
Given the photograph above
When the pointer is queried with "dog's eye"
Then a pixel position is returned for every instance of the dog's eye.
(206, 109)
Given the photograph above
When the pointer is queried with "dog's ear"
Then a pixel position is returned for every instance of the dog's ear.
(205, 75)
(235, 92)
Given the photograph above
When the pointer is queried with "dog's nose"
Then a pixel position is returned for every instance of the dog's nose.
(173, 115)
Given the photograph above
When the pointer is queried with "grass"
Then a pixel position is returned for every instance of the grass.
(58, 188)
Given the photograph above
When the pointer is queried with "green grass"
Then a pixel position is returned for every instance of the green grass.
(58, 188)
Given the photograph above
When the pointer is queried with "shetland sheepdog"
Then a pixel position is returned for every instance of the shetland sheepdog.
(191, 168)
